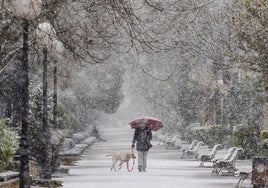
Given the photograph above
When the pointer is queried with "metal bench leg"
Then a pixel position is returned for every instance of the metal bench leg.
(238, 183)
(201, 164)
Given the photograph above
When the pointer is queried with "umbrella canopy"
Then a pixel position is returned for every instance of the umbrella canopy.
(148, 121)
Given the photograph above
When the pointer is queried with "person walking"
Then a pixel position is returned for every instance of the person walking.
(142, 137)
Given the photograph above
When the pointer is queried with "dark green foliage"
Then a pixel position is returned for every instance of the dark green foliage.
(8, 144)
(246, 137)
(216, 135)
(209, 135)
(264, 134)
(36, 120)
(264, 142)
(200, 134)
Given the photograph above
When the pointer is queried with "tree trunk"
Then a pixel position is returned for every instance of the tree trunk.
(24, 145)
(265, 80)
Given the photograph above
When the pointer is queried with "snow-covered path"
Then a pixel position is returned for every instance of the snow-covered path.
(165, 169)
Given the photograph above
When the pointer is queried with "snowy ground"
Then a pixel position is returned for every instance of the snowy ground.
(165, 169)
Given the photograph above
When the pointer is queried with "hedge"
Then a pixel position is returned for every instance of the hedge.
(8, 144)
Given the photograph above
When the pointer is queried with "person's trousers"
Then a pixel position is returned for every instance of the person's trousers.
(142, 159)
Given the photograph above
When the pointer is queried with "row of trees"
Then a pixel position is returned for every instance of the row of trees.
(220, 78)
(229, 87)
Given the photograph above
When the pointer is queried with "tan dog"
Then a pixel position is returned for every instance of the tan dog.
(122, 157)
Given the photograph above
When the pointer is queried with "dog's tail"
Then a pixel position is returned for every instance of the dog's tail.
(108, 155)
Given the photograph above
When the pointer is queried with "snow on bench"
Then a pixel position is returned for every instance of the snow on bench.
(72, 147)
(229, 164)
(75, 148)
(208, 157)
(193, 153)
(5, 176)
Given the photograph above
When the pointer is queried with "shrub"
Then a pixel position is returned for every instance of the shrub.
(246, 137)
(264, 141)
(215, 135)
(209, 135)
(36, 137)
(8, 144)
(36, 119)
(198, 134)
(264, 134)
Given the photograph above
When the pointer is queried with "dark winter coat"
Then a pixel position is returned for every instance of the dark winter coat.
(142, 136)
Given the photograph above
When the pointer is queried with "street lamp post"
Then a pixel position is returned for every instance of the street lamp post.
(58, 50)
(24, 145)
(26, 10)
(45, 36)
(45, 167)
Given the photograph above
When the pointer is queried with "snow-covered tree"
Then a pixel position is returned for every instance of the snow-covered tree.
(250, 38)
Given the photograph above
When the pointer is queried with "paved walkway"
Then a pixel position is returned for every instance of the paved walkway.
(165, 169)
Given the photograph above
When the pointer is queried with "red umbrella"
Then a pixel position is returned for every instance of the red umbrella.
(148, 121)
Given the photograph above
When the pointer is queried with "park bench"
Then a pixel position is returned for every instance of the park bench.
(160, 136)
(208, 157)
(14, 165)
(226, 157)
(173, 142)
(243, 176)
(5, 176)
(229, 164)
(9, 179)
(72, 148)
(258, 175)
(192, 145)
(192, 153)
(167, 137)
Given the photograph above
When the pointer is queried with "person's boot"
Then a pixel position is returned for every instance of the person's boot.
(140, 168)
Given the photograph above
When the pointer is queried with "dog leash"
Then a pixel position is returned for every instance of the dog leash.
(132, 166)
(133, 162)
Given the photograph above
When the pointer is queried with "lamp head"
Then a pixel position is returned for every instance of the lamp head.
(26, 9)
